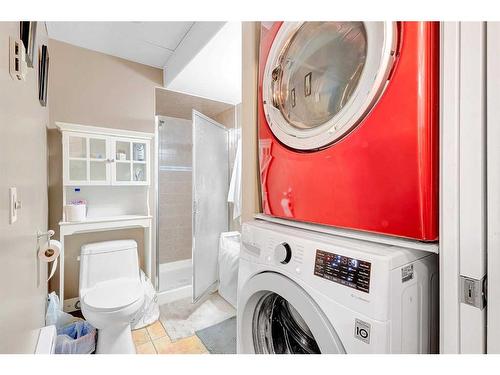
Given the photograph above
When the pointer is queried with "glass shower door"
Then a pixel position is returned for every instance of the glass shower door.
(210, 207)
(174, 205)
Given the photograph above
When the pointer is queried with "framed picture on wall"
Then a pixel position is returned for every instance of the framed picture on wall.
(43, 74)
(27, 34)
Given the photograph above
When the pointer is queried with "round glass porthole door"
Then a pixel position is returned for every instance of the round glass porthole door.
(321, 78)
(277, 316)
(278, 328)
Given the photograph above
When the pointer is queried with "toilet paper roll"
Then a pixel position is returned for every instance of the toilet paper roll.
(49, 252)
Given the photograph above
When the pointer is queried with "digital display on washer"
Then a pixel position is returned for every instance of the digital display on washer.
(350, 272)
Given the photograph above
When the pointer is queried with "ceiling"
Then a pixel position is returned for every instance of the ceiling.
(197, 58)
(149, 43)
(214, 72)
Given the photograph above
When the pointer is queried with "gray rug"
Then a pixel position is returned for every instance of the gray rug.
(182, 318)
(220, 338)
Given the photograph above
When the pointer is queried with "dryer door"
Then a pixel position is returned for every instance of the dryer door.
(276, 316)
(322, 78)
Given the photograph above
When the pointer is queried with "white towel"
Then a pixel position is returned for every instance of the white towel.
(234, 195)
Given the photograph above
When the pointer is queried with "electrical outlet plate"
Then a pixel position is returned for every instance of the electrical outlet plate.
(17, 60)
(72, 304)
(13, 205)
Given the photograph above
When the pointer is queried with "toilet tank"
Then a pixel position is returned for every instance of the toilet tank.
(109, 260)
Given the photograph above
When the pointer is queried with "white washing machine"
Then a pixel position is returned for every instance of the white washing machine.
(307, 292)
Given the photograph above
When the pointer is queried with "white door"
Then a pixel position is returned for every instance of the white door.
(463, 225)
(493, 185)
(210, 207)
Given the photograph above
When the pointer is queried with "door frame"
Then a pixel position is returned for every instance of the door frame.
(493, 185)
(462, 183)
(214, 285)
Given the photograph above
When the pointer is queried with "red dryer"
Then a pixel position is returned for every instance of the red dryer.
(348, 125)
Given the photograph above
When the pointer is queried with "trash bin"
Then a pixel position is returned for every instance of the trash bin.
(76, 338)
(74, 335)
(229, 256)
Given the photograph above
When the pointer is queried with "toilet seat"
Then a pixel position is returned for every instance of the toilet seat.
(113, 295)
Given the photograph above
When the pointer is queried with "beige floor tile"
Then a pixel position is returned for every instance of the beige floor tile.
(140, 336)
(188, 345)
(146, 348)
(156, 330)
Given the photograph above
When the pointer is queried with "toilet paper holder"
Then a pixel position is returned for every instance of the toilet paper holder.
(47, 234)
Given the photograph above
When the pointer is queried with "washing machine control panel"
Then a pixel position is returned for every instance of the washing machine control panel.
(350, 272)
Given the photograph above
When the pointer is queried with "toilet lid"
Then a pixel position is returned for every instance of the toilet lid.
(114, 294)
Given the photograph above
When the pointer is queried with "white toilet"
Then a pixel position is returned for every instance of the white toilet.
(111, 292)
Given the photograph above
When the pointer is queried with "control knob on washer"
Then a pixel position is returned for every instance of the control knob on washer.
(283, 253)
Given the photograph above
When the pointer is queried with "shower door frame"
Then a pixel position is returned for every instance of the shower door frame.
(156, 223)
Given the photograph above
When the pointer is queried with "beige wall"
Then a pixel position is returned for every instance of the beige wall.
(23, 163)
(92, 88)
(176, 104)
(250, 176)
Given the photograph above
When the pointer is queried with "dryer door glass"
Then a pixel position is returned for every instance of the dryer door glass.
(279, 329)
(319, 70)
(322, 78)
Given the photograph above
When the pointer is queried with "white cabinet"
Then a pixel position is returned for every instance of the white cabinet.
(103, 167)
(101, 156)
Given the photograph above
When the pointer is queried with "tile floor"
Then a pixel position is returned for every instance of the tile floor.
(153, 339)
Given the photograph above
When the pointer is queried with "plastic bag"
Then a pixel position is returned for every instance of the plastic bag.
(76, 338)
(55, 316)
(229, 254)
(150, 311)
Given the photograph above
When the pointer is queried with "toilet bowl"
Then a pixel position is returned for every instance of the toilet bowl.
(111, 292)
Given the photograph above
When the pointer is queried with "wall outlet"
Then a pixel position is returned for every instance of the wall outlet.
(17, 60)
(72, 304)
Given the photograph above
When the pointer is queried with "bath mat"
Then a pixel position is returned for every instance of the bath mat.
(220, 338)
(182, 318)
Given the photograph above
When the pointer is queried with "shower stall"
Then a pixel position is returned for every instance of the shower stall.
(193, 174)
(174, 216)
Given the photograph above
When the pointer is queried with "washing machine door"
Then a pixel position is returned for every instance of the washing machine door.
(322, 78)
(277, 316)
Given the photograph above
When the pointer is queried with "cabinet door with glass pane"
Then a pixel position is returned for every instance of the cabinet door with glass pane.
(86, 159)
(130, 166)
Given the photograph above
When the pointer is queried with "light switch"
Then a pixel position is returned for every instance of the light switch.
(17, 56)
(15, 204)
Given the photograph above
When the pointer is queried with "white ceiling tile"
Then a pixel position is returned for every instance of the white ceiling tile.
(164, 34)
(149, 43)
(215, 71)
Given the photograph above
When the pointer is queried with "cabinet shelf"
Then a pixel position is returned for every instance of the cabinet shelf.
(106, 219)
